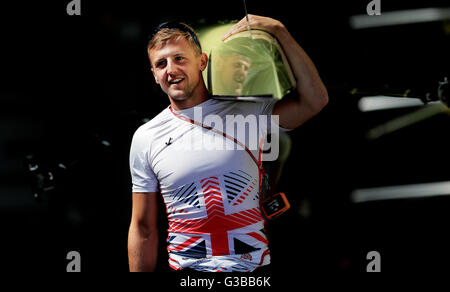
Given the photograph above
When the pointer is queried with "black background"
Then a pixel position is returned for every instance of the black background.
(71, 82)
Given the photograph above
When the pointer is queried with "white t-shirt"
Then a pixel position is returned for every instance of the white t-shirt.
(211, 193)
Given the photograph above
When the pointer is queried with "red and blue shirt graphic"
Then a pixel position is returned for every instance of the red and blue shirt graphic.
(229, 222)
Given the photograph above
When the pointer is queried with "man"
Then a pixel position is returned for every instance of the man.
(211, 196)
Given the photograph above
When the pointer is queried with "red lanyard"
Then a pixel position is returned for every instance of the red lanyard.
(258, 163)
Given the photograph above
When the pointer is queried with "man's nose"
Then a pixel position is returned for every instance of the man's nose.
(171, 67)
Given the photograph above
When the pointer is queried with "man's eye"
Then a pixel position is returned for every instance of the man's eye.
(160, 63)
(179, 58)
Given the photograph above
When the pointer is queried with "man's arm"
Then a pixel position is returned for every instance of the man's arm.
(312, 94)
(143, 233)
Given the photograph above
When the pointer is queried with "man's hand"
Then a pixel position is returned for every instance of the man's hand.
(267, 24)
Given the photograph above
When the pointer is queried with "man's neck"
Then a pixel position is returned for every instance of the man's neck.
(195, 100)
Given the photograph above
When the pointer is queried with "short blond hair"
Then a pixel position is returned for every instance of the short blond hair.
(164, 35)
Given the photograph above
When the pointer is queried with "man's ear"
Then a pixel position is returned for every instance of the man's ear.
(203, 62)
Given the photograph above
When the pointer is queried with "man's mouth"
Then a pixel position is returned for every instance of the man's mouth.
(176, 81)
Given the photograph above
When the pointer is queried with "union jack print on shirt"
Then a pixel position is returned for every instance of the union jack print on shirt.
(216, 217)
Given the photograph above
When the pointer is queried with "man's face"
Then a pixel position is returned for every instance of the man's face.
(177, 68)
(234, 73)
